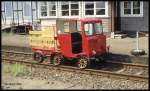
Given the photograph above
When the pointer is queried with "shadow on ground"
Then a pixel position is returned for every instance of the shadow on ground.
(126, 58)
(132, 34)
(104, 65)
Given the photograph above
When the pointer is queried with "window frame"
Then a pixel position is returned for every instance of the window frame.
(70, 16)
(131, 15)
(100, 26)
(106, 10)
(100, 8)
(5, 9)
(29, 16)
(75, 9)
(39, 4)
(48, 10)
(3, 13)
(65, 10)
(92, 31)
(89, 8)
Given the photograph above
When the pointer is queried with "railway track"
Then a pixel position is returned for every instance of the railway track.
(132, 68)
(16, 48)
(137, 72)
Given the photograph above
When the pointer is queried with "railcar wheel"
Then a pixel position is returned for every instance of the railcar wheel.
(57, 60)
(83, 62)
(38, 57)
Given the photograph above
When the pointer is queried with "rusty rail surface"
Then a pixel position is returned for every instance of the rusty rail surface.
(108, 61)
(81, 71)
(128, 64)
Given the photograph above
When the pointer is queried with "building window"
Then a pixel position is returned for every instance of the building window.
(98, 8)
(43, 8)
(65, 8)
(15, 5)
(74, 8)
(2, 7)
(33, 5)
(66, 27)
(9, 9)
(89, 8)
(127, 7)
(48, 9)
(52, 8)
(69, 8)
(136, 7)
(27, 8)
(20, 6)
(132, 8)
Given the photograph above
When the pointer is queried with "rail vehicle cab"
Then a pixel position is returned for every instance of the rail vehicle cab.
(75, 39)
(81, 39)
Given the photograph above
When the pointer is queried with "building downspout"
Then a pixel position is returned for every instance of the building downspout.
(118, 17)
(112, 17)
(112, 20)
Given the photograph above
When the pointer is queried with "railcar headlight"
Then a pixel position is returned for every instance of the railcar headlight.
(93, 52)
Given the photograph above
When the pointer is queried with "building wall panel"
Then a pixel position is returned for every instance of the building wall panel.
(136, 23)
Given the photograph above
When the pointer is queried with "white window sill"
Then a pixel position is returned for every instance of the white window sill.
(45, 17)
(100, 16)
(131, 15)
(69, 17)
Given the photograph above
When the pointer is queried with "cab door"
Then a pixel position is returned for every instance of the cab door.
(100, 38)
(94, 41)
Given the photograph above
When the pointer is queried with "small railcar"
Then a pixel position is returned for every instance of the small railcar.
(70, 39)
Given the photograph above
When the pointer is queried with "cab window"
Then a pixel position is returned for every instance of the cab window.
(98, 28)
(88, 28)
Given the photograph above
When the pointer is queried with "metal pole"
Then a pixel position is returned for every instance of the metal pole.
(4, 13)
(32, 13)
(12, 26)
(22, 13)
(18, 13)
(36, 10)
(137, 41)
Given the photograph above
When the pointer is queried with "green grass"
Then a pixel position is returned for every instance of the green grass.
(16, 69)
(6, 34)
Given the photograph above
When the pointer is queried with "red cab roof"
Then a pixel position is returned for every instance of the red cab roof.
(91, 20)
(83, 19)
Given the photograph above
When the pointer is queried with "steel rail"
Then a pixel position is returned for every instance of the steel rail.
(16, 52)
(83, 71)
(110, 62)
(128, 64)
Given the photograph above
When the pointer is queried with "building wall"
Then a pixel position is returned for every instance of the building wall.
(126, 23)
(136, 23)
(105, 19)
(19, 12)
(47, 22)
(19, 17)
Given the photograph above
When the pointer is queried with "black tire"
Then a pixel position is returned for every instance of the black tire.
(137, 53)
(38, 57)
(83, 62)
(57, 59)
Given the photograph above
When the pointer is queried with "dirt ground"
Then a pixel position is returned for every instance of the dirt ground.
(62, 80)
(119, 46)
(10, 82)
(15, 40)
(125, 45)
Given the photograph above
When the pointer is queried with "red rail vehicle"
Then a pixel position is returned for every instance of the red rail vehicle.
(71, 39)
